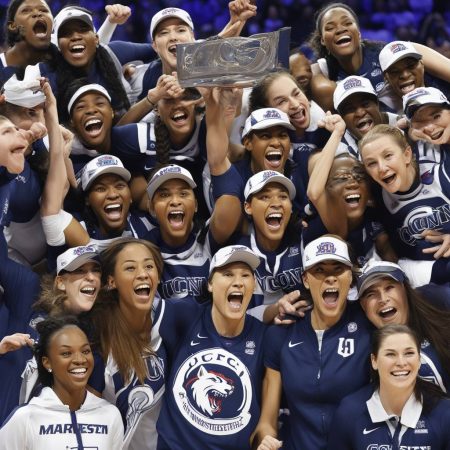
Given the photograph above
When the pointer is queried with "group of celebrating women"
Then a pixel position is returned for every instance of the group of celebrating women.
(221, 268)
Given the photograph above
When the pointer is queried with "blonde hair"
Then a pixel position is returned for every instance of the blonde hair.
(383, 130)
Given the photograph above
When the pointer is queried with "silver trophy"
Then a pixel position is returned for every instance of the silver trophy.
(236, 61)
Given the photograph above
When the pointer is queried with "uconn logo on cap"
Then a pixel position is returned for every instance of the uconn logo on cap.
(352, 83)
(395, 48)
(325, 248)
(269, 174)
(106, 161)
(170, 11)
(272, 114)
(170, 169)
(238, 248)
(82, 250)
(418, 93)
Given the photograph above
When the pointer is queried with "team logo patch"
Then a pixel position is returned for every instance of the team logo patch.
(272, 114)
(376, 72)
(212, 390)
(250, 347)
(352, 83)
(106, 160)
(346, 347)
(395, 48)
(326, 248)
(352, 327)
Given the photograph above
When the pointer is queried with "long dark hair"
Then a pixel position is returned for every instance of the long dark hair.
(113, 334)
(426, 392)
(47, 329)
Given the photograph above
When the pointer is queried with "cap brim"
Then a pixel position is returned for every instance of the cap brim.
(271, 123)
(321, 258)
(400, 57)
(153, 186)
(79, 261)
(275, 179)
(377, 274)
(120, 171)
(348, 94)
(414, 106)
(239, 256)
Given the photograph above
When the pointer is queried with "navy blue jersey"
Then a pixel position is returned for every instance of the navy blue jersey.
(431, 368)
(425, 206)
(362, 238)
(360, 423)
(213, 391)
(21, 290)
(6, 72)
(186, 268)
(132, 51)
(153, 72)
(315, 381)
(278, 273)
(139, 404)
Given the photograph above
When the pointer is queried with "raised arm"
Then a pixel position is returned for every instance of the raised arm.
(117, 14)
(317, 191)
(221, 105)
(59, 226)
(322, 89)
(435, 63)
(240, 12)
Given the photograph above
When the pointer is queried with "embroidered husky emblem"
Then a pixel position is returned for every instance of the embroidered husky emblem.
(209, 389)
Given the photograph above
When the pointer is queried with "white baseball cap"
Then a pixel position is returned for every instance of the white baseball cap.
(231, 254)
(263, 118)
(168, 173)
(26, 92)
(326, 248)
(396, 50)
(70, 13)
(257, 182)
(75, 257)
(101, 165)
(421, 96)
(375, 270)
(87, 88)
(349, 86)
(166, 14)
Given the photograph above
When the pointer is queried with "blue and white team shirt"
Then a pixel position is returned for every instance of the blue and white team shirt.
(425, 206)
(361, 423)
(431, 368)
(139, 404)
(317, 370)
(278, 273)
(46, 423)
(213, 391)
(186, 268)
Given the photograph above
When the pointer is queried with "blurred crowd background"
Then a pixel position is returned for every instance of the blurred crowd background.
(424, 21)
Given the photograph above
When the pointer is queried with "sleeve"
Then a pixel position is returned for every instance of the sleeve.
(132, 140)
(14, 430)
(132, 51)
(273, 341)
(340, 430)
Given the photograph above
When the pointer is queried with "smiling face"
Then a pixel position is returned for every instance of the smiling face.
(167, 35)
(284, 94)
(397, 362)
(389, 165)
(232, 288)
(91, 119)
(385, 302)
(179, 117)
(81, 286)
(78, 43)
(34, 21)
(12, 147)
(136, 279)
(109, 198)
(69, 356)
(348, 185)
(329, 282)
(361, 113)
(432, 120)
(174, 206)
(340, 33)
(405, 75)
(271, 209)
(269, 148)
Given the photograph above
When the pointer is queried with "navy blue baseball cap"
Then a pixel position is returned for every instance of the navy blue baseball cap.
(375, 270)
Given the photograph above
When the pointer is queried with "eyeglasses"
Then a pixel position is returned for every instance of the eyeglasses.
(357, 174)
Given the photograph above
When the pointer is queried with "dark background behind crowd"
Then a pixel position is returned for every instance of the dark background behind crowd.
(424, 21)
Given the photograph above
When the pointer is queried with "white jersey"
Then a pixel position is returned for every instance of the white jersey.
(47, 424)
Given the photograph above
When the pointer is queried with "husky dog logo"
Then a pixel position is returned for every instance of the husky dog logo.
(213, 392)
(209, 389)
